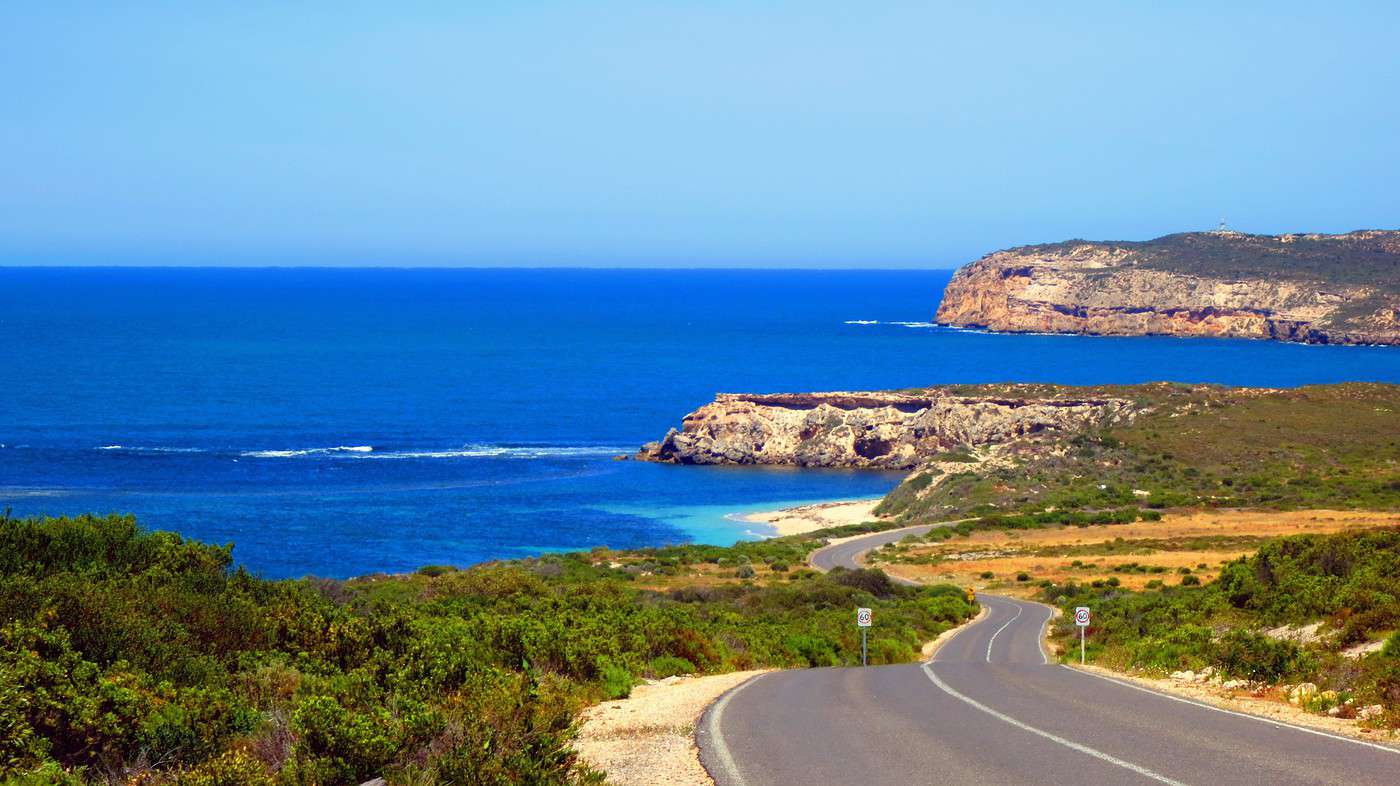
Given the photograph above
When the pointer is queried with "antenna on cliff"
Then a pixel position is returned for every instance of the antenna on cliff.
(1223, 227)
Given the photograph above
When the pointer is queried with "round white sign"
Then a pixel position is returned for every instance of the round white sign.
(1081, 616)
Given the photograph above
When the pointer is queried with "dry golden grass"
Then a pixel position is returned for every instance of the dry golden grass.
(1013, 551)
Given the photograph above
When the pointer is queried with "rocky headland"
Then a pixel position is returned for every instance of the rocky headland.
(887, 430)
(1312, 288)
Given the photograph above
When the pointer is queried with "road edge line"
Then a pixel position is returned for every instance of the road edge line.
(1236, 713)
(1071, 744)
(717, 748)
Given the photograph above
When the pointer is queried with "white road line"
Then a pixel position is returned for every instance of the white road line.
(724, 759)
(1044, 656)
(992, 640)
(1205, 706)
(1072, 745)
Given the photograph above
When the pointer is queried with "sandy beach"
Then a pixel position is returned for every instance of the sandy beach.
(806, 518)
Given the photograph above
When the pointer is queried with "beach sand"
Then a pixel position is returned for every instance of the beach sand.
(806, 518)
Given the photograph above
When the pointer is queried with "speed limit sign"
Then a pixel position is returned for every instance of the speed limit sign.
(863, 617)
(1081, 616)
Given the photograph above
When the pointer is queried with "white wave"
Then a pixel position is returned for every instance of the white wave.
(506, 451)
(901, 324)
(351, 449)
(466, 451)
(142, 449)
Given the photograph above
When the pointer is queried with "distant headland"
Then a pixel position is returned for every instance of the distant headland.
(1311, 288)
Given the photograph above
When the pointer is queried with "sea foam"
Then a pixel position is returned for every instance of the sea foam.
(351, 449)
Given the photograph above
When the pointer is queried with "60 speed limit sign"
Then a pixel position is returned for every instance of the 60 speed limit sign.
(863, 617)
(1081, 616)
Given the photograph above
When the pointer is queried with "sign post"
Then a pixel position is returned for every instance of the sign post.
(863, 622)
(1081, 618)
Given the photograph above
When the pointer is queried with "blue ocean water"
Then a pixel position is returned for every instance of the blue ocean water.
(341, 422)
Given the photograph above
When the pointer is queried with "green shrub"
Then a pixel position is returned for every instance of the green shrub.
(119, 648)
(670, 666)
(616, 680)
(1392, 646)
(1257, 657)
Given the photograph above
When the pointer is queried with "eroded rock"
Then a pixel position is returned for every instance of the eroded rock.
(871, 430)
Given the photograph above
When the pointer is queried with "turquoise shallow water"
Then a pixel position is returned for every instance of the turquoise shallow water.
(340, 422)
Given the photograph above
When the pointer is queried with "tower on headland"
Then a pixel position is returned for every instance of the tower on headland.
(1224, 229)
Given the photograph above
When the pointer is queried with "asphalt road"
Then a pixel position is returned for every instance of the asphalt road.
(991, 709)
(848, 554)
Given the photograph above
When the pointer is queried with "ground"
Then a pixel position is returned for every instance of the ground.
(1134, 554)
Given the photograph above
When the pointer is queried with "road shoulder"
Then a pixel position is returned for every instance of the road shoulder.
(1263, 706)
(649, 737)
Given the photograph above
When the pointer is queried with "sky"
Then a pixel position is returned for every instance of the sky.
(679, 134)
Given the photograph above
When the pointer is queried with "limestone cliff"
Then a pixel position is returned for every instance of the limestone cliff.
(1325, 289)
(871, 430)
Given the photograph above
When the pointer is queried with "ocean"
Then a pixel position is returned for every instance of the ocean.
(342, 422)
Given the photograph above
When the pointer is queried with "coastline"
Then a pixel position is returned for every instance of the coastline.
(801, 519)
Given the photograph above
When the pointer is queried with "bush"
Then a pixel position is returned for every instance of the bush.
(119, 648)
(1257, 657)
(1392, 646)
(1023, 576)
(670, 666)
(617, 681)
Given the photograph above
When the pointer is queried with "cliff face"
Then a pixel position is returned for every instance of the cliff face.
(1327, 289)
(871, 430)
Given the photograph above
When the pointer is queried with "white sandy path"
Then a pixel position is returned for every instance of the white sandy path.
(649, 738)
(806, 518)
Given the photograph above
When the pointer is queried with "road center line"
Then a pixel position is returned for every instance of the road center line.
(1071, 744)
(992, 640)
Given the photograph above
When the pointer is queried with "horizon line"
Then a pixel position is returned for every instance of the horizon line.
(486, 267)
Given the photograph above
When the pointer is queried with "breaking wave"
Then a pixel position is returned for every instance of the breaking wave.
(142, 449)
(901, 324)
(351, 449)
(466, 451)
(507, 451)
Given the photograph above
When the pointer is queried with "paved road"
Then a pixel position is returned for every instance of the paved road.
(990, 709)
(848, 554)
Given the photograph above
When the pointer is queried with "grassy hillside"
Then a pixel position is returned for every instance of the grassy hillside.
(1350, 583)
(1326, 446)
(1371, 260)
(131, 656)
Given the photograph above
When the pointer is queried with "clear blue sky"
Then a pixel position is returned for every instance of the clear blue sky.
(817, 134)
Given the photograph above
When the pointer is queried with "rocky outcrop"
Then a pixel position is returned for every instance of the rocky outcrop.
(1325, 289)
(869, 430)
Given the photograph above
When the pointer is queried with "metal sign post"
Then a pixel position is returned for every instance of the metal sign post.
(1081, 618)
(863, 622)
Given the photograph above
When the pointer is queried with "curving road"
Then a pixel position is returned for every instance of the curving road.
(992, 709)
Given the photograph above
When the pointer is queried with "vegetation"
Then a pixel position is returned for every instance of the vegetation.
(133, 656)
(1332, 446)
(1359, 261)
(1349, 582)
